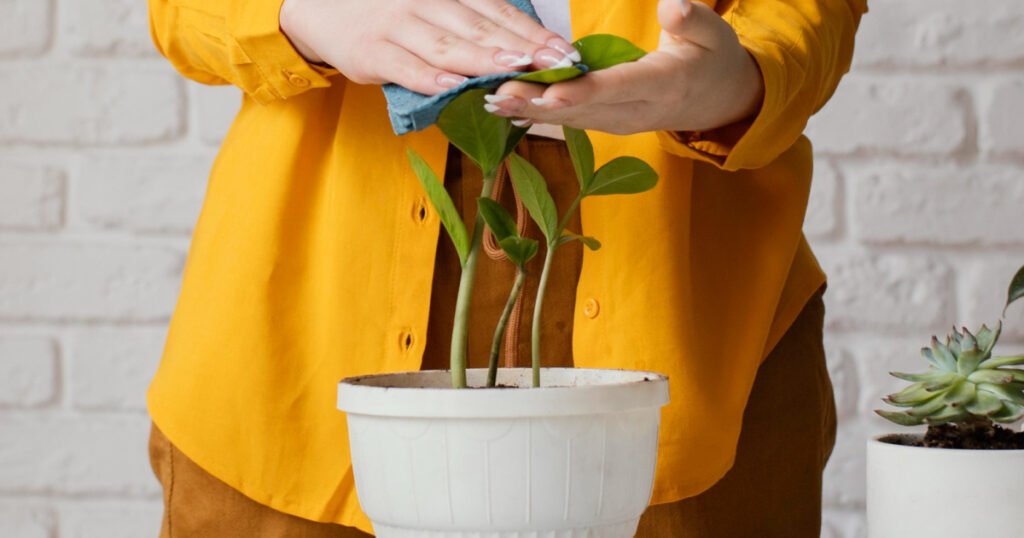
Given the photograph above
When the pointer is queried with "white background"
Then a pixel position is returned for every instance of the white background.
(916, 214)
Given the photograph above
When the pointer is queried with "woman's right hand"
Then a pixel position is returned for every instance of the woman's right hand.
(427, 46)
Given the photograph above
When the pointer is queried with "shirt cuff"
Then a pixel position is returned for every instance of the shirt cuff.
(282, 71)
(751, 143)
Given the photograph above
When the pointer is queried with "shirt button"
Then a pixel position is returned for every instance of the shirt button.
(296, 80)
(591, 308)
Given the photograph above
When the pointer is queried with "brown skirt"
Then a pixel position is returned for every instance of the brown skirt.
(773, 489)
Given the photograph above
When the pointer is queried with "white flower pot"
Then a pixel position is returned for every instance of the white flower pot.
(572, 459)
(943, 493)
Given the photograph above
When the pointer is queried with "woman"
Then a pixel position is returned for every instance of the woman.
(316, 257)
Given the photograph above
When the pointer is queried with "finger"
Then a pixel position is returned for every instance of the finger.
(473, 26)
(632, 81)
(404, 68)
(694, 22)
(447, 51)
(512, 97)
(510, 17)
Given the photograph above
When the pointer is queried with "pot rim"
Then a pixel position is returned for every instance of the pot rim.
(877, 440)
(428, 393)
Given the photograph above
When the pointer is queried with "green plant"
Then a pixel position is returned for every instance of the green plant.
(964, 382)
(489, 140)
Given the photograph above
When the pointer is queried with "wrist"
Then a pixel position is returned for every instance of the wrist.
(292, 24)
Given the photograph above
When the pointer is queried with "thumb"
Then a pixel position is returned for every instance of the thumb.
(687, 20)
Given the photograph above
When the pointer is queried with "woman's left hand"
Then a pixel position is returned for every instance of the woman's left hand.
(699, 78)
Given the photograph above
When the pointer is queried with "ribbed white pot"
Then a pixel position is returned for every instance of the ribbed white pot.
(572, 459)
(943, 493)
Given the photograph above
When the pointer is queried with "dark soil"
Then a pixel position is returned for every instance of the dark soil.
(973, 435)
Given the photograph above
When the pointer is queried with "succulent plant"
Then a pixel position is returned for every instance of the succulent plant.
(964, 382)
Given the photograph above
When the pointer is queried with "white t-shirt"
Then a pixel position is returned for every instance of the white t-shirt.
(555, 16)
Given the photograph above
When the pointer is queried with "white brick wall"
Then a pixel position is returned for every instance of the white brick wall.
(103, 157)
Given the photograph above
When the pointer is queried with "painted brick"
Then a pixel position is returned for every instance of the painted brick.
(844, 524)
(94, 455)
(25, 27)
(216, 107)
(31, 197)
(824, 210)
(90, 105)
(106, 28)
(941, 33)
(1002, 128)
(56, 281)
(983, 288)
(20, 520)
(111, 368)
(891, 293)
(843, 371)
(28, 371)
(898, 116)
(844, 480)
(141, 193)
(941, 205)
(111, 519)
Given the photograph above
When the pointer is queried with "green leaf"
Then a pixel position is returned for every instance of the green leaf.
(1011, 392)
(998, 362)
(901, 418)
(944, 358)
(623, 175)
(551, 76)
(533, 191)
(987, 338)
(519, 249)
(482, 136)
(995, 377)
(1011, 413)
(442, 203)
(589, 242)
(582, 153)
(502, 224)
(1016, 290)
(515, 134)
(984, 404)
(601, 51)
(912, 395)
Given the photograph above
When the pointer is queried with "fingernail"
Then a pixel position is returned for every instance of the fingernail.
(449, 80)
(548, 103)
(565, 48)
(552, 59)
(491, 108)
(509, 58)
(495, 98)
(685, 6)
(522, 124)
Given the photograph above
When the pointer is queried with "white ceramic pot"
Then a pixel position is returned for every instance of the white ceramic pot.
(943, 493)
(572, 459)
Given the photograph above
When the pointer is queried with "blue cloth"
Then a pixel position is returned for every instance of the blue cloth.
(411, 111)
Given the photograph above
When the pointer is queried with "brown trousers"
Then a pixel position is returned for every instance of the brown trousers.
(772, 491)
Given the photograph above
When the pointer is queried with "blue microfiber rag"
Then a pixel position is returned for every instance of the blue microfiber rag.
(411, 111)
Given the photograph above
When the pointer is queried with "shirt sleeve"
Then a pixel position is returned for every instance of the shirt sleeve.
(803, 48)
(237, 42)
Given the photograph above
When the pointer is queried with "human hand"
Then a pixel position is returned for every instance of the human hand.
(427, 46)
(699, 78)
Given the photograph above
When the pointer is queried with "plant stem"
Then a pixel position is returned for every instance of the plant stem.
(499, 331)
(460, 330)
(568, 215)
(537, 307)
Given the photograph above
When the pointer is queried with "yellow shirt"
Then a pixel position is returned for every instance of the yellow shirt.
(311, 261)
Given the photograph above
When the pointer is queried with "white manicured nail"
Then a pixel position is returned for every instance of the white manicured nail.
(553, 60)
(685, 6)
(565, 48)
(522, 123)
(494, 98)
(491, 108)
(550, 103)
(512, 59)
